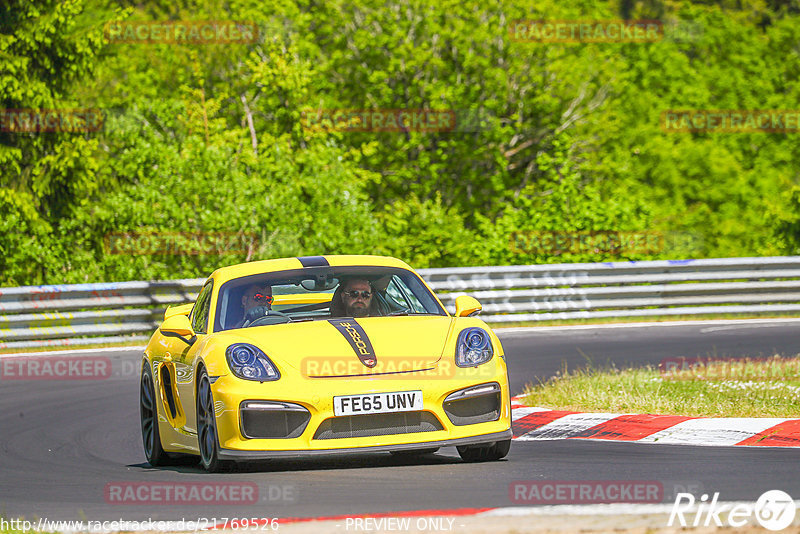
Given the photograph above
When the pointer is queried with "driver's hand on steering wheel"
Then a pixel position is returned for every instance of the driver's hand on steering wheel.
(254, 313)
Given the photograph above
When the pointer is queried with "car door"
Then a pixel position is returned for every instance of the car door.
(166, 357)
(184, 364)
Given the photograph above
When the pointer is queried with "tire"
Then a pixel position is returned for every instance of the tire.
(484, 453)
(414, 452)
(148, 414)
(207, 440)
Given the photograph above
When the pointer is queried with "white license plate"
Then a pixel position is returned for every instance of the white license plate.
(399, 401)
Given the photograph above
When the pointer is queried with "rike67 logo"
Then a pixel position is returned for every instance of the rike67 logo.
(774, 510)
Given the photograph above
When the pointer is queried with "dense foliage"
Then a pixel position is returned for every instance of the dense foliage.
(205, 142)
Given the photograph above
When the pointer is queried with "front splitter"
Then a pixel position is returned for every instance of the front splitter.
(228, 454)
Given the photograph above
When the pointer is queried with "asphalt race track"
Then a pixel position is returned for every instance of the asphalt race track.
(64, 442)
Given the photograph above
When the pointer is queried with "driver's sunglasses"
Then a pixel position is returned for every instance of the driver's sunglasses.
(260, 297)
(356, 294)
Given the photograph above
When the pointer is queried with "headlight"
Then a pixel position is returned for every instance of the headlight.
(249, 362)
(474, 347)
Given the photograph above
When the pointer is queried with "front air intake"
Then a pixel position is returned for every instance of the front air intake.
(380, 424)
(476, 404)
(272, 420)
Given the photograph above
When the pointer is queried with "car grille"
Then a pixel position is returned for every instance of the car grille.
(470, 411)
(382, 424)
(274, 424)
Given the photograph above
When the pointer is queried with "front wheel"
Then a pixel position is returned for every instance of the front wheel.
(484, 453)
(207, 426)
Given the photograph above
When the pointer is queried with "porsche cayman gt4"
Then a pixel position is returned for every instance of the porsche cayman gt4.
(319, 355)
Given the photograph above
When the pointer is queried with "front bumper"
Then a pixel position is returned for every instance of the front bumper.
(316, 396)
(226, 454)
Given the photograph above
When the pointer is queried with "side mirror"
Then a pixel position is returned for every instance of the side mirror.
(183, 309)
(178, 326)
(466, 306)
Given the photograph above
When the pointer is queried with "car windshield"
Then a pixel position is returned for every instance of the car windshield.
(321, 293)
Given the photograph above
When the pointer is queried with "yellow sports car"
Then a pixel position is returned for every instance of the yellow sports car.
(318, 355)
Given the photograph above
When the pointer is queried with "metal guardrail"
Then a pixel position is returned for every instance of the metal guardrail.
(64, 315)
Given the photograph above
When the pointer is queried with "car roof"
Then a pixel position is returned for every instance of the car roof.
(284, 264)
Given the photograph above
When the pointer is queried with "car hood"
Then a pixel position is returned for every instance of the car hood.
(351, 347)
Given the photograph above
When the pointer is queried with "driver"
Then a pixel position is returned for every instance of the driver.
(255, 296)
(357, 297)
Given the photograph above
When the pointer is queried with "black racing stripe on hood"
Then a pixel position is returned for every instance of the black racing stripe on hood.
(314, 261)
(355, 335)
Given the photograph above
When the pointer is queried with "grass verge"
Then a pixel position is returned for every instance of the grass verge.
(767, 387)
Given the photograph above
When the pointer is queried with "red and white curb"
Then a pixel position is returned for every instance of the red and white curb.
(529, 424)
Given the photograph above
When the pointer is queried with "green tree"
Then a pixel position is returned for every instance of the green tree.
(207, 141)
(47, 48)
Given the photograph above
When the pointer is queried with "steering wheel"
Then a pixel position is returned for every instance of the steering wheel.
(256, 316)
